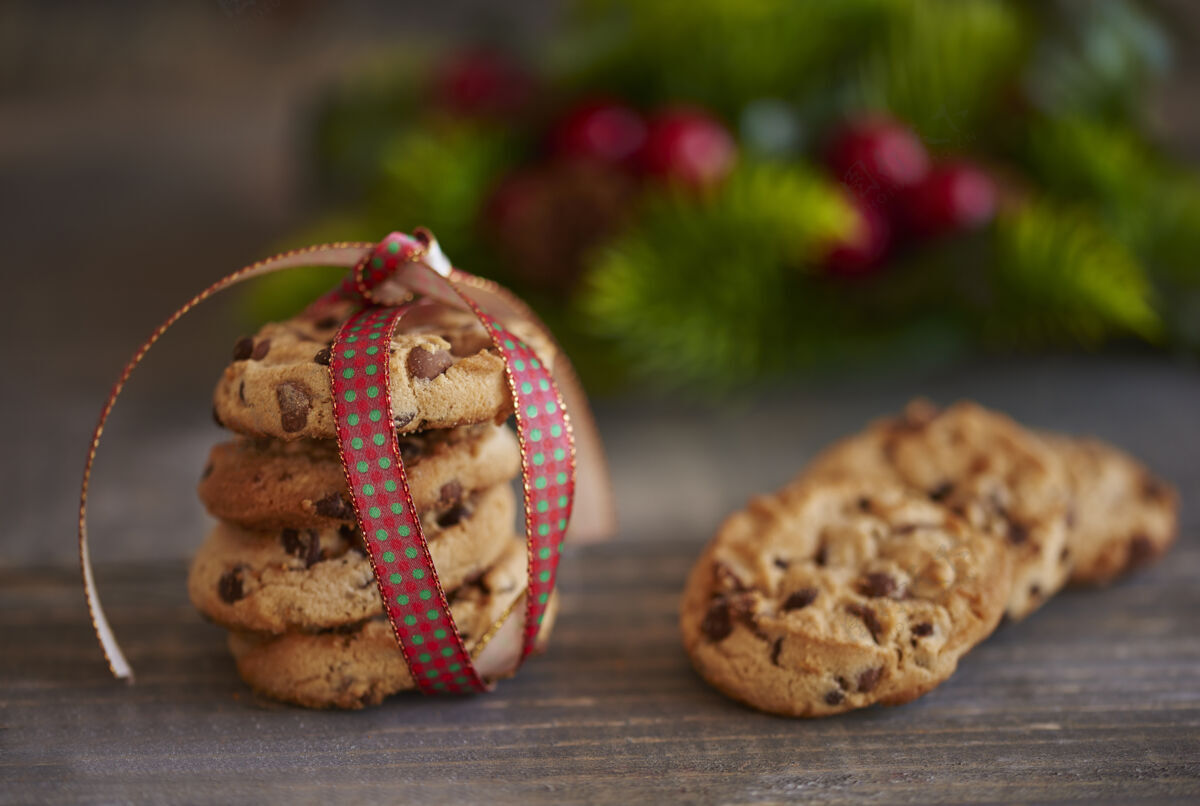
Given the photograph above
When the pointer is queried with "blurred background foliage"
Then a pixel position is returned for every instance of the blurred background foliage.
(704, 194)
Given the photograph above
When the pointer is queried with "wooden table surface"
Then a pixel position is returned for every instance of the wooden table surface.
(1095, 698)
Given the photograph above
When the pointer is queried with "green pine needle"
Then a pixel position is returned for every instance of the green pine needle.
(713, 290)
(1059, 275)
(1148, 202)
(942, 65)
(439, 176)
(716, 53)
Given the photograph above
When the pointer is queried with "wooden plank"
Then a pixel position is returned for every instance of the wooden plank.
(1096, 697)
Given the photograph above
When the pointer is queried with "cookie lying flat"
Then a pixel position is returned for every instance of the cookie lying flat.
(314, 579)
(360, 665)
(831, 596)
(443, 372)
(269, 484)
(1122, 516)
(1003, 479)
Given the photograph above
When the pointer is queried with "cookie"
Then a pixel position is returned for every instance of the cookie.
(831, 596)
(1122, 516)
(361, 664)
(443, 370)
(1002, 478)
(313, 579)
(269, 484)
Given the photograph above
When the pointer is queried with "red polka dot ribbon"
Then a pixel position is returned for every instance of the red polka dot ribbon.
(413, 598)
(383, 278)
(361, 402)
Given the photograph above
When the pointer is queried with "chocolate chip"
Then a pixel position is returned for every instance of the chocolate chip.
(1141, 551)
(1035, 590)
(941, 492)
(822, 555)
(923, 629)
(864, 504)
(404, 418)
(334, 506)
(292, 543)
(409, 451)
(1153, 489)
(350, 535)
(313, 556)
(868, 679)
(718, 622)
(451, 491)
(453, 516)
(323, 357)
(775, 649)
(428, 364)
(261, 349)
(243, 348)
(327, 323)
(1018, 532)
(834, 697)
(229, 586)
(295, 401)
(877, 584)
(726, 578)
(868, 618)
(800, 599)
(781, 563)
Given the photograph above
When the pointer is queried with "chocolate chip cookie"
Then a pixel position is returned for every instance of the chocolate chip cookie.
(269, 484)
(320, 578)
(360, 664)
(831, 596)
(1122, 516)
(1001, 478)
(443, 370)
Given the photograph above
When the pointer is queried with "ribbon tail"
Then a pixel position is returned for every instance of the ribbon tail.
(336, 254)
(595, 512)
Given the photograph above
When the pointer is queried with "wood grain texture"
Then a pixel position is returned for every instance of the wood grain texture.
(1096, 698)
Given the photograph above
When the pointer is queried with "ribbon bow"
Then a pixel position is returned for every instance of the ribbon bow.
(562, 460)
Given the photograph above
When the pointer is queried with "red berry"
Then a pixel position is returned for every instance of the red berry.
(877, 157)
(866, 248)
(954, 196)
(687, 146)
(482, 83)
(601, 130)
(511, 200)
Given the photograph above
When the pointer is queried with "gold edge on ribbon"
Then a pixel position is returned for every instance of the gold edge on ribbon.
(113, 656)
(597, 495)
(476, 308)
(497, 625)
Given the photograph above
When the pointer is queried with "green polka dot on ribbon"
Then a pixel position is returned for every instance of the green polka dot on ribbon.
(404, 571)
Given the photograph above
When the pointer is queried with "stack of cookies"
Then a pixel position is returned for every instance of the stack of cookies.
(286, 570)
(902, 547)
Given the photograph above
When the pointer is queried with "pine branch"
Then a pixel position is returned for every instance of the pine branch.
(716, 53)
(714, 291)
(1059, 275)
(942, 66)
